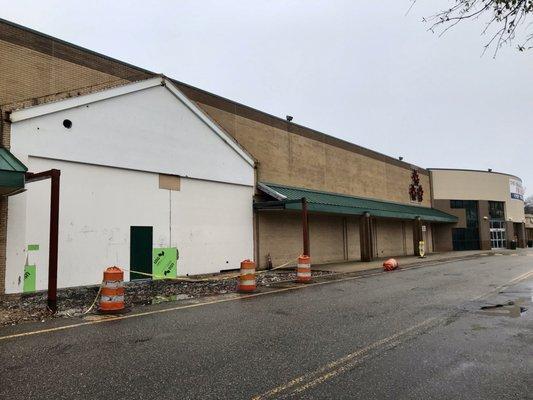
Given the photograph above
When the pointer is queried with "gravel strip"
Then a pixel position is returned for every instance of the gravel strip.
(73, 302)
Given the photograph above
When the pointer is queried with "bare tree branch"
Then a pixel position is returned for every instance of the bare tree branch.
(505, 17)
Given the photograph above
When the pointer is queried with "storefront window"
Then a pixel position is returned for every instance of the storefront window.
(467, 238)
(496, 210)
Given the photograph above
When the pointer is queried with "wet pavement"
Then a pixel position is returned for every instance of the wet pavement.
(459, 330)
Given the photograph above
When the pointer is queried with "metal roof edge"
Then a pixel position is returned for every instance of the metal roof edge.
(226, 137)
(11, 160)
(411, 209)
(34, 111)
(346, 195)
(474, 170)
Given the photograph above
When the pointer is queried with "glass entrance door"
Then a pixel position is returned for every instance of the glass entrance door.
(497, 234)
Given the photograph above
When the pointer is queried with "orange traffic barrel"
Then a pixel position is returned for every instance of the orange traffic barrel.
(247, 277)
(112, 296)
(303, 271)
(390, 265)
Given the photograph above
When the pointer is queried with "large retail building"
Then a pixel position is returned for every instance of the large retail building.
(489, 207)
(357, 204)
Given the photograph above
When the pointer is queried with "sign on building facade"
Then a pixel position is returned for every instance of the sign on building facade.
(516, 189)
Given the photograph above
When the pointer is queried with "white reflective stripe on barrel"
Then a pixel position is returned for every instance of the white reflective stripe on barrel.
(113, 284)
(247, 271)
(304, 274)
(304, 265)
(247, 283)
(112, 299)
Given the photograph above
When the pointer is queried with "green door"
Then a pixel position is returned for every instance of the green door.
(141, 251)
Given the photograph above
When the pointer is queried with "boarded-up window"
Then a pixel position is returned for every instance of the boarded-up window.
(169, 182)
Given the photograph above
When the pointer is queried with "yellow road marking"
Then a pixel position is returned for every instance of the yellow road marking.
(342, 369)
(333, 368)
(339, 366)
(121, 317)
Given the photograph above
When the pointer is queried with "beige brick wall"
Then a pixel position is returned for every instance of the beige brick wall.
(390, 239)
(353, 238)
(409, 247)
(326, 238)
(27, 73)
(280, 235)
(293, 160)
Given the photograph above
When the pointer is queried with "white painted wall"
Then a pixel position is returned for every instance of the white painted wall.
(110, 162)
(211, 223)
(147, 130)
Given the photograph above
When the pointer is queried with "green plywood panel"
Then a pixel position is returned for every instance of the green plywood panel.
(29, 278)
(164, 264)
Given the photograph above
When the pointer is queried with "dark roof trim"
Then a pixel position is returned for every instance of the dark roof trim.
(38, 41)
(473, 170)
(244, 111)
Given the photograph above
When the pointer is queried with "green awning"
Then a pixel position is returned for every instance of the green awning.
(342, 204)
(12, 173)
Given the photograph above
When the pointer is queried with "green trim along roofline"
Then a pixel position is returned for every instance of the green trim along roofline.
(320, 201)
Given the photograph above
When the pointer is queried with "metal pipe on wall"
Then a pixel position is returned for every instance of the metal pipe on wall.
(305, 228)
(54, 176)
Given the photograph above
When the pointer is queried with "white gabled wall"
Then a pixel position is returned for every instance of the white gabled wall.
(147, 130)
(110, 161)
(210, 223)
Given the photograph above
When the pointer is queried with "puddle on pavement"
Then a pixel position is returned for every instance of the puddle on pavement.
(513, 309)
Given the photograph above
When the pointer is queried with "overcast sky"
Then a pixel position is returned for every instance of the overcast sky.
(362, 71)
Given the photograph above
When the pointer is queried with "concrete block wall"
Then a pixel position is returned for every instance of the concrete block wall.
(333, 238)
(353, 239)
(27, 73)
(443, 237)
(395, 238)
(389, 238)
(327, 239)
(34, 65)
(291, 158)
(409, 249)
(279, 234)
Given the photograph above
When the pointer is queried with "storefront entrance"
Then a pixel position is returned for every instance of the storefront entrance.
(498, 235)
